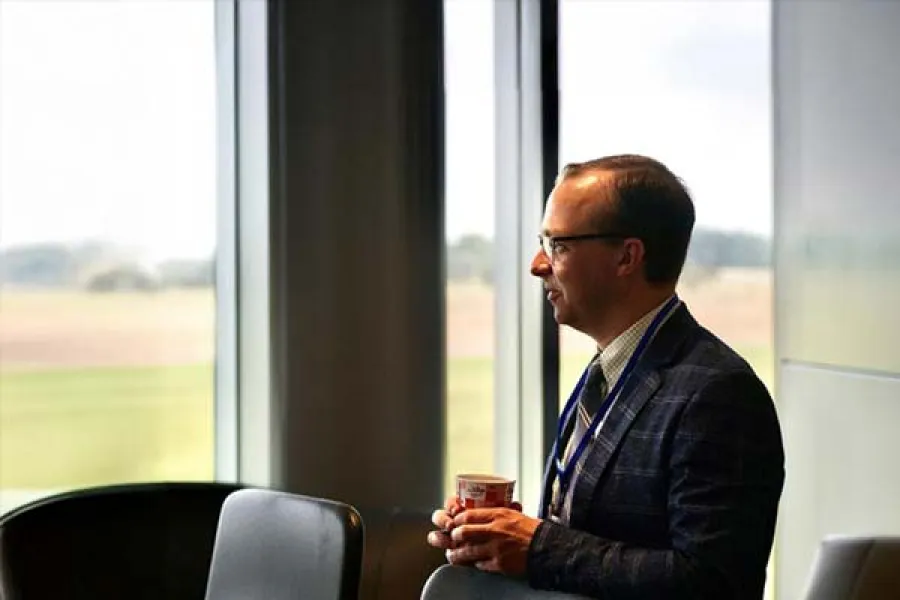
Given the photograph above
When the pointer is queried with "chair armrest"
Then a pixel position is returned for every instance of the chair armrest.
(451, 582)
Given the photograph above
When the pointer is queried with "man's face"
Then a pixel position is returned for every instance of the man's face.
(581, 277)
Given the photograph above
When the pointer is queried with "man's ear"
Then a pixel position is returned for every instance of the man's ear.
(631, 258)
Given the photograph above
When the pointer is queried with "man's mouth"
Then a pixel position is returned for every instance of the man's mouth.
(553, 294)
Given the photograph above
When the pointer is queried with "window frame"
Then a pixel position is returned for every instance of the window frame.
(243, 429)
(526, 156)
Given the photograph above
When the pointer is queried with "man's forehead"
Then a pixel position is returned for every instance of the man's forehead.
(576, 199)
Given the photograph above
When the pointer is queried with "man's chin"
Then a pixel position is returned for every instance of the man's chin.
(561, 315)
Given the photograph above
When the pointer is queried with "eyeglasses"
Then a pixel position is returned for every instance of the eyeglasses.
(550, 243)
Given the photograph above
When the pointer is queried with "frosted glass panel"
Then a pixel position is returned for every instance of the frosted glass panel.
(841, 444)
(837, 198)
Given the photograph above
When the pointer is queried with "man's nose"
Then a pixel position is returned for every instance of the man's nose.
(540, 264)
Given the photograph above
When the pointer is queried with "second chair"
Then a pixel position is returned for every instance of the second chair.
(282, 546)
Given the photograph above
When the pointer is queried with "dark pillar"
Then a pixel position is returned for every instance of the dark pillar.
(356, 119)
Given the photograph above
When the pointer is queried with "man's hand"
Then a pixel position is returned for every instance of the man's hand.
(492, 539)
(443, 520)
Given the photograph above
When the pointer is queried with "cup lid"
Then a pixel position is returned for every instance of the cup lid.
(482, 478)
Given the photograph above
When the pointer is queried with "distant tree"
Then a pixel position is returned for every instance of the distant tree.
(38, 265)
(187, 273)
(694, 275)
(712, 248)
(123, 278)
(471, 257)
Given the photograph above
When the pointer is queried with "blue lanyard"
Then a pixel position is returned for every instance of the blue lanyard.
(564, 471)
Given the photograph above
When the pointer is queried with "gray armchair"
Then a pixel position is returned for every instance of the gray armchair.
(465, 583)
(281, 546)
(856, 568)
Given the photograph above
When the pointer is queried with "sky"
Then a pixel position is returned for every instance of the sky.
(686, 82)
(108, 124)
(108, 113)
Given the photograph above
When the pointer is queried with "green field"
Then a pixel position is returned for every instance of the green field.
(90, 426)
(87, 398)
(81, 427)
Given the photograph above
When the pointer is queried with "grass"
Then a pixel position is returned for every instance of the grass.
(63, 425)
(470, 417)
(82, 427)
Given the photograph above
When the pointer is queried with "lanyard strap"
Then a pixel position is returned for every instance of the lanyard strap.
(564, 471)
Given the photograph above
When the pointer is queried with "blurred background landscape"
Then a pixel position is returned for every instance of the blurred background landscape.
(107, 362)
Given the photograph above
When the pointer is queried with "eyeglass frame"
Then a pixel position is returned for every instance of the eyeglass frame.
(550, 240)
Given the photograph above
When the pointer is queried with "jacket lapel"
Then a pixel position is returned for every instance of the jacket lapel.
(644, 382)
(619, 420)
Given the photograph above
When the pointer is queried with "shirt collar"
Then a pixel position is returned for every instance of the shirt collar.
(615, 355)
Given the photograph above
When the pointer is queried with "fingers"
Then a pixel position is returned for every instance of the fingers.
(441, 540)
(453, 506)
(478, 515)
(442, 520)
(476, 520)
(471, 534)
(471, 554)
(491, 565)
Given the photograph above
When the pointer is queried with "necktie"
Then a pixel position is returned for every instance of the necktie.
(592, 395)
(589, 400)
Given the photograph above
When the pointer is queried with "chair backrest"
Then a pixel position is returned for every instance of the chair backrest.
(129, 541)
(397, 560)
(466, 583)
(281, 546)
(856, 568)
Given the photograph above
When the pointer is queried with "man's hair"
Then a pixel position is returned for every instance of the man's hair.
(650, 203)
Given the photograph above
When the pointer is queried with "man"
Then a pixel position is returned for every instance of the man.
(669, 468)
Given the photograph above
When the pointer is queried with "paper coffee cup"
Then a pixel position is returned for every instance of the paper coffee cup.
(484, 491)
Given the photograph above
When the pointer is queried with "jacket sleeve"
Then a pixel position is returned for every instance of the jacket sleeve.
(726, 472)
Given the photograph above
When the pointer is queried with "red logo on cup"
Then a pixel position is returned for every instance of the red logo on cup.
(484, 491)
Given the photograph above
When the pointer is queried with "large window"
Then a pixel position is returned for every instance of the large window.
(470, 190)
(686, 83)
(107, 243)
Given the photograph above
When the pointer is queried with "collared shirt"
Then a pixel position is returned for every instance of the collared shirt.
(613, 360)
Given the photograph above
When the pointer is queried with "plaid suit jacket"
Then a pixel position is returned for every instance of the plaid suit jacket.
(679, 492)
